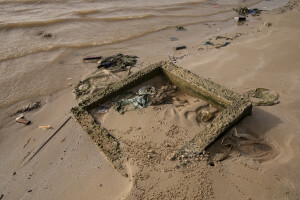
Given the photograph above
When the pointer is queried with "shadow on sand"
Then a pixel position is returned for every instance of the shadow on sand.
(247, 138)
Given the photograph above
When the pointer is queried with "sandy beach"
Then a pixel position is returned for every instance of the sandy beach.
(262, 150)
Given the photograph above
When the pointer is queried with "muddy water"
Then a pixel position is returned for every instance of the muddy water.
(32, 65)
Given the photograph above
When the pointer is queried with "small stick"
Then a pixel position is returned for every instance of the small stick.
(48, 140)
(93, 58)
(179, 48)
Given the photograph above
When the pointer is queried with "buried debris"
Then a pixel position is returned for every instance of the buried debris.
(142, 100)
(145, 97)
(222, 45)
(205, 116)
(254, 12)
(101, 78)
(103, 109)
(223, 37)
(244, 11)
(262, 97)
(110, 70)
(164, 95)
(21, 120)
(119, 61)
(208, 43)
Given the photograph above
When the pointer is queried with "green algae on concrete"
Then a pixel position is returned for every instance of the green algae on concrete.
(233, 105)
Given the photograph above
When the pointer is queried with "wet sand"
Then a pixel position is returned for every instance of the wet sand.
(85, 28)
(264, 165)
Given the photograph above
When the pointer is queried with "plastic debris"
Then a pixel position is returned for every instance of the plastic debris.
(119, 61)
(262, 97)
(222, 45)
(179, 47)
(244, 11)
(208, 43)
(254, 12)
(142, 100)
(21, 120)
(145, 97)
(174, 38)
(147, 90)
(103, 109)
(45, 127)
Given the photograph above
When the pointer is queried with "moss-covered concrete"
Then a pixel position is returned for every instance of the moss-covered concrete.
(234, 108)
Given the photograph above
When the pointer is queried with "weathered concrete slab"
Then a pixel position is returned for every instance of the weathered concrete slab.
(234, 108)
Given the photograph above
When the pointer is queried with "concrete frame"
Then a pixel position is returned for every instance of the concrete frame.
(233, 105)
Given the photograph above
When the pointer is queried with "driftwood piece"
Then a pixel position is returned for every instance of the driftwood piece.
(23, 121)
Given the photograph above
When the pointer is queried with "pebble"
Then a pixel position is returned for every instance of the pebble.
(172, 156)
(267, 24)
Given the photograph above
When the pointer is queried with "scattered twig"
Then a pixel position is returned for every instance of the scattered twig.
(48, 139)
(179, 47)
(92, 58)
(27, 142)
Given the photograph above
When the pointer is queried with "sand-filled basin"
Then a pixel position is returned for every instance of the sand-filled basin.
(175, 127)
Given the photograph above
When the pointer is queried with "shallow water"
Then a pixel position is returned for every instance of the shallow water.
(31, 65)
(93, 23)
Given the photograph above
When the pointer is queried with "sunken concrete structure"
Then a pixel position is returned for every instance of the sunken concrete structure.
(233, 106)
